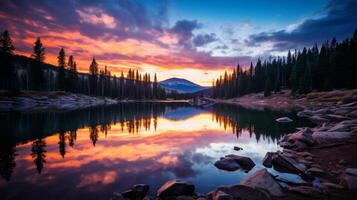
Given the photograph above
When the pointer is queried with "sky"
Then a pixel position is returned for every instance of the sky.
(196, 40)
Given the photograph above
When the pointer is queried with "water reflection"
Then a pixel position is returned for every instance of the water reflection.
(92, 152)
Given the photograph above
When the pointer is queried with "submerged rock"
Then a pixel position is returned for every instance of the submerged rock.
(174, 188)
(237, 148)
(227, 164)
(263, 179)
(284, 120)
(234, 162)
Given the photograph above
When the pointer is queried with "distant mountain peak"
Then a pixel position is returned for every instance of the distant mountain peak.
(181, 85)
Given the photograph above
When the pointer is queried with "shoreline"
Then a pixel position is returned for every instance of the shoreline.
(61, 101)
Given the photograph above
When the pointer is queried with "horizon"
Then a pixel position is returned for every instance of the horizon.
(175, 39)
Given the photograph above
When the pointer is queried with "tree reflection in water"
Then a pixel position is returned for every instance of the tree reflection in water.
(21, 128)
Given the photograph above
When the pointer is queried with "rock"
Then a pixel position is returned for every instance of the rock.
(331, 185)
(263, 179)
(284, 120)
(339, 127)
(245, 162)
(184, 197)
(175, 188)
(315, 171)
(306, 191)
(219, 195)
(304, 135)
(237, 148)
(233, 162)
(318, 120)
(351, 171)
(117, 196)
(305, 113)
(138, 192)
(342, 162)
(288, 164)
(331, 137)
(227, 164)
(337, 117)
(350, 181)
(268, 159)
(243, 192)
(349, 122)
(322, 111)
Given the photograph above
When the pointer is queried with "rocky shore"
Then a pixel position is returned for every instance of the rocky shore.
(324, 157)
(30, 101)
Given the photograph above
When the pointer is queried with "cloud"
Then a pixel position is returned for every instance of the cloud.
(337, 19)
(184, 28)
(203, 39)
(96, 16)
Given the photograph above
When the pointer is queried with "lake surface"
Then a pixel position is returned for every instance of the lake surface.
(91, 153)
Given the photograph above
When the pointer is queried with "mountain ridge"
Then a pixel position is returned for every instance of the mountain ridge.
(181, 85)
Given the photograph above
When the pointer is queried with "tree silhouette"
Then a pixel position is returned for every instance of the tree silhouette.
(61, 71)
(39, 154)
(7, 69)
(6, 45)
(7, 159)
(38, 51)
(62, 144)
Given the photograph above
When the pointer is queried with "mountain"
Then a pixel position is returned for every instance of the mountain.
(180, 85)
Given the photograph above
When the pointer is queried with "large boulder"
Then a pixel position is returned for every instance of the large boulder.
(324, 137)
(284, 120)
(174, 188)
(284, 163)
(297, 141)
(233, 162)
(304, 135)
(268, 159)
(137, 192)
(241, 192)
(264, 180)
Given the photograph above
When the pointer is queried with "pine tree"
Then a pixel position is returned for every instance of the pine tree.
(61, 71)
(155, 88)
(36, 71)
(70, 63)
(7, 68)
(61, 59)
(38, 51)
(6, 45)
(93, 70)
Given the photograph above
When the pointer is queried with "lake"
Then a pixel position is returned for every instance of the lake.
(93, 152)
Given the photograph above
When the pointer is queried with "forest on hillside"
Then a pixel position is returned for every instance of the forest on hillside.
(22, 73)
(332, 66)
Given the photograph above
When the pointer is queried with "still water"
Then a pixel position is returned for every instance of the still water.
(91, 153)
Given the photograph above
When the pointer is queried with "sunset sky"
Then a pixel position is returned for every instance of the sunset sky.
(197, 40)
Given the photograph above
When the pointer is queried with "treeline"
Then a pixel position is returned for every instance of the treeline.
(333, 66)
(22, 73)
